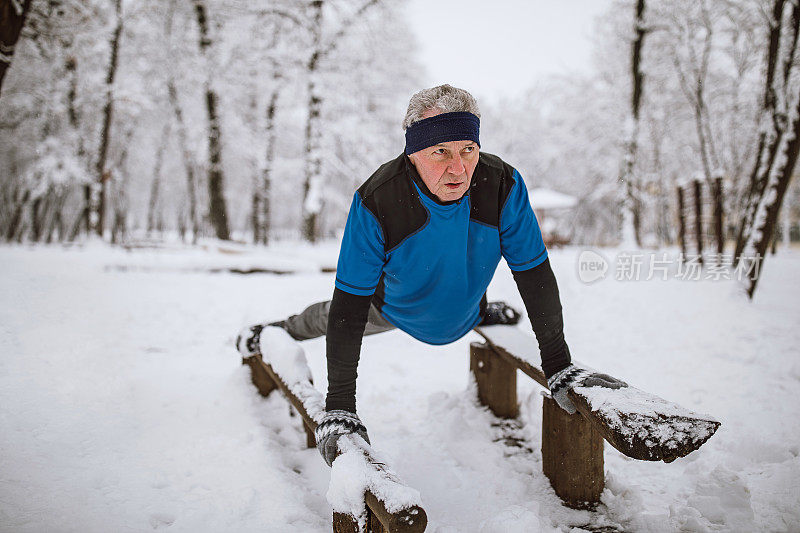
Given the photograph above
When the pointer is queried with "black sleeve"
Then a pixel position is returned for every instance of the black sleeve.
(347, 319)
(539, 292)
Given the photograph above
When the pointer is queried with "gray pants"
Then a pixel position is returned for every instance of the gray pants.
(313, 322)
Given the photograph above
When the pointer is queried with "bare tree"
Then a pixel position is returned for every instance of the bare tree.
(154, 205)
(218, 213)
(262, 197)
(691, 66)
(187, 157)
(631, 205)
(321, 49)
(99, 192)
(778, 145)
(773, 114)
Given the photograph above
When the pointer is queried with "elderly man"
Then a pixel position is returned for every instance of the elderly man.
(423, 238)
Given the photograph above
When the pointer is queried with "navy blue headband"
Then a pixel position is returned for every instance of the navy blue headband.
(457, 126)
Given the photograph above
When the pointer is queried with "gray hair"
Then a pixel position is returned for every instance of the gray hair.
(445, 98)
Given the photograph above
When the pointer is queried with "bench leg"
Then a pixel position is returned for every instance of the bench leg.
(572, 456)
(496, 380)
(259, 376)
(344, 523)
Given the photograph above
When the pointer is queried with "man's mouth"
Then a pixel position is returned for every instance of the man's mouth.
(454, 185)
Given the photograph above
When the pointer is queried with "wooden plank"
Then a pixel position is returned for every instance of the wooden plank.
(572, 456)
(409, 520)
(638, 424)
(311, 440)
(496, 380)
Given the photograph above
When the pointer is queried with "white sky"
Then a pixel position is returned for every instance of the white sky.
(501, 47)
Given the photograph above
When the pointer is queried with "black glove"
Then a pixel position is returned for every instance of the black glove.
(574, 376)
(247, 342)
(333, 425)
(499, 313)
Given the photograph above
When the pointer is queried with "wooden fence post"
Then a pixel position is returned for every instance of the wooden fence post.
(496, 380)
(698, 218)
(682, 220)
(718, 211)
(572, 456)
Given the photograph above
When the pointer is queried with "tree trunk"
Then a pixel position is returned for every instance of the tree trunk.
(264, 194)
(314, 182)
(119, 229)
(217, 209)
(83, 223)
(771, 123)
(631, 206)
(312, 200)
(103, 174)
(12, 19)
(16, 217)
(188, 160)
(155, 185)
(183, 144)
(56, 222)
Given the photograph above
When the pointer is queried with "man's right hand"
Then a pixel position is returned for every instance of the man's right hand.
(333, 425)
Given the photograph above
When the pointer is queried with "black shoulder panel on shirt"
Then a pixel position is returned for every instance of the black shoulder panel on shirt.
(492, 182)
(390, 195)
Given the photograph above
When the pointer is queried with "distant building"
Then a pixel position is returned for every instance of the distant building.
(553, 210)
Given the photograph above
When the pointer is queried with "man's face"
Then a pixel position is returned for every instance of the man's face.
(446, 168)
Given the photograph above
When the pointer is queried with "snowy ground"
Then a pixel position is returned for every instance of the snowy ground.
(123, 406)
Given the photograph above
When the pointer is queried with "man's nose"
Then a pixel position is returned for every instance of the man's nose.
(456, 166)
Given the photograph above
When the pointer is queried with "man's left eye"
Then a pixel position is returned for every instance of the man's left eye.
(469, 149)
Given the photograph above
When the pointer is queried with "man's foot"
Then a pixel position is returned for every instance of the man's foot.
(247, 341)
(499, 313)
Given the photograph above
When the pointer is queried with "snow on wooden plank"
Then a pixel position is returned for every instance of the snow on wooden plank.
(642, 425)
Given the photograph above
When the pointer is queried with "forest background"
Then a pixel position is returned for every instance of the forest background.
(254, 121)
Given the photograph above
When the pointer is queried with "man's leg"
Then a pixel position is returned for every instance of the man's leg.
(313, 322)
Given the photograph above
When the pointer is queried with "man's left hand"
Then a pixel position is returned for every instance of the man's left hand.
(574, 376)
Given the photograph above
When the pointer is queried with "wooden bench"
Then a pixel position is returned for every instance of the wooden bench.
(638, 424)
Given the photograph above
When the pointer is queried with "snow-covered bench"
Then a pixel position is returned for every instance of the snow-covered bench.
(365, 494)
(638, 424)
